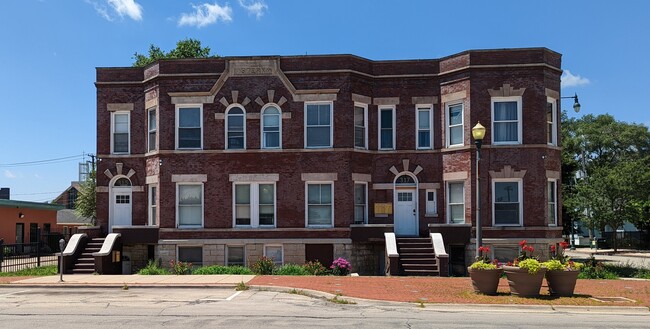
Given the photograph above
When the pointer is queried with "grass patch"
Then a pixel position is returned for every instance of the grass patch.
(35, 271)
(241, 286)
(219, 269)
(298, 292)
(338, 300)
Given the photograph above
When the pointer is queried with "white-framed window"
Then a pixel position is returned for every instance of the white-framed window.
(361, 125)
(551, 121)
(431, 203)
(153, 127)
(455, 124)
(360, 202)
(191, 254)
(274, 252)
(189, 205)
(271, 127)
(318, 124)
(254, 204)
(456, 202)
(235, 256)
(189, 127)
(153, 205)
(120, 130)
(506, 120)
(235, 127)
(551, 188)
(506, 202)
(386, 124)
(319, 204)
(423, 127)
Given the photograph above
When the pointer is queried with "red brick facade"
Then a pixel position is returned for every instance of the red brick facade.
(473, 78)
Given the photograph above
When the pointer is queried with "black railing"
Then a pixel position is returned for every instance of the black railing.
(20, 256)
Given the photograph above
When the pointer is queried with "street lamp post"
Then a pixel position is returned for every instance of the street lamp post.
(576, 108)
(478, 132)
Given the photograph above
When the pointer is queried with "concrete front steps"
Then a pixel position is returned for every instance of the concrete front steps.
(417, 257)
(85, 264)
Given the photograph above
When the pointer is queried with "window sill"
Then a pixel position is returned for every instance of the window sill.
(319, 226)
(193, 227)
(431, 215)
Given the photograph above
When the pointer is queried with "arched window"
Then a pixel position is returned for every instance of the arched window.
(235, 128)
(122, 182)
(405, 180)
(271, 127)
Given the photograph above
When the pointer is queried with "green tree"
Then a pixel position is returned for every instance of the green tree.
(86, 204)
(611, 159)
(188, 48)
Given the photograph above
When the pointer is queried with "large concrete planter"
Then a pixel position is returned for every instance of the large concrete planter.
(485, 281)
(562, 283)
(522, 283)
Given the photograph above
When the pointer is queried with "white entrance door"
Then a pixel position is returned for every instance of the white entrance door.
(406, 223)
(121, 206)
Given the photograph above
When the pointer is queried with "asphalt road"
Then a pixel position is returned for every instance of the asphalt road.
(28, 307)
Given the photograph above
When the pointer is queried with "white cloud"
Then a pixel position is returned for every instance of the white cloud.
(570, 80)
(9, 174)
(122, 8)
(256, 8)
(127, 7)
(206, 14)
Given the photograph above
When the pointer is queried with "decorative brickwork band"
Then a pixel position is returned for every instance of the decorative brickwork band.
(508, 172)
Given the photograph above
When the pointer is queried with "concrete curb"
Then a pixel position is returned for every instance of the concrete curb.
(466, 307)
(120, 285)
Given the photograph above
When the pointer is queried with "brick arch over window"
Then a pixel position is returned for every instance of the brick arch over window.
(406, 164)
(119, 171)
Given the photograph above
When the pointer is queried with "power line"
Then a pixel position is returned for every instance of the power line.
(42, 162)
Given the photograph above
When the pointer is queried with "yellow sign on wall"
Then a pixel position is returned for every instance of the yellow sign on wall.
(385, 208)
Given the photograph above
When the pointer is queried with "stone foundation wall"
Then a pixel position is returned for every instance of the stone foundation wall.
(138, 255)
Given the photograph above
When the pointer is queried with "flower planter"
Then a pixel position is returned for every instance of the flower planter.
(522, 283)
(562, 283)
(485, 281)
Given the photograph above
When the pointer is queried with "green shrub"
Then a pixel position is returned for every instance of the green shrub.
(264, 266)
(291, 269)
(315, 268)
(180, 268)
(594, 269)
(481, 265)
(153, 269)
(219, 269)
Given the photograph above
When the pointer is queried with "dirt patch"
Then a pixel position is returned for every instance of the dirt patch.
(10, 279)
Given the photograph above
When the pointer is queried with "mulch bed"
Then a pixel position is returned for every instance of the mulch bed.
(459, 290)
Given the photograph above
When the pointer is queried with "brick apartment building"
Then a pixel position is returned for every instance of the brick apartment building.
(224, 160)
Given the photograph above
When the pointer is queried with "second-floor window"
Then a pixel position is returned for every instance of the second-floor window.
(318, 125)
(386, 128)
(506, 120)
(236, 128)
(455, 128)
(551, 127)
(189, 128)
(360, 126)
(423, 124)
(271, 128)
(506, 205)
(120, 138)
(153, 127)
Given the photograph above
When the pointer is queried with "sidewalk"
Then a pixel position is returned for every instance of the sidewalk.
(136, 280)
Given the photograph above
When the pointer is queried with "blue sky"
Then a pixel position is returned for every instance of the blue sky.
(49, 50)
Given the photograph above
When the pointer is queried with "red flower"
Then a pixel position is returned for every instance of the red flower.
(553, 248)
(564, 244)
(523, 243)
(484, 249)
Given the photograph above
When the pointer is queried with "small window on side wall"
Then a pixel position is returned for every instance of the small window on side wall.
(275, 253)
(431, 206)
(235, 256)
(192, 255)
